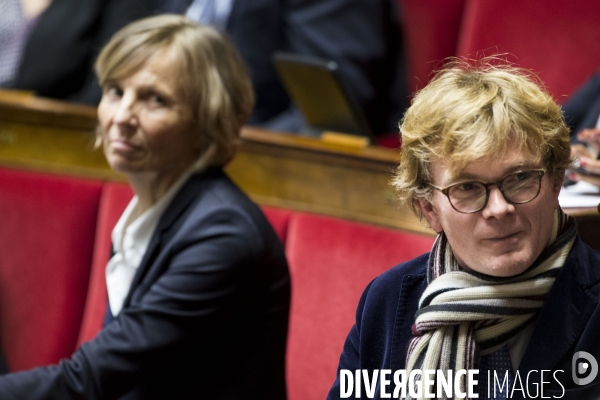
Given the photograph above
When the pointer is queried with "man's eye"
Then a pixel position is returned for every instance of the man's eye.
(523, 176)
(465, 187)
(157, 100)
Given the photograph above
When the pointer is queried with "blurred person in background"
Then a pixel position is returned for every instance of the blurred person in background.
(49, 46)
(582, 114)
(362, 36)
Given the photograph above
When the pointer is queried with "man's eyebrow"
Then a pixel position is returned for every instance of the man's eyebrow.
(518, 167)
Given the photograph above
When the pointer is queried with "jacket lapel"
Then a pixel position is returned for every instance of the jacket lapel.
(411, 290)
(192, 189)
(565, 314)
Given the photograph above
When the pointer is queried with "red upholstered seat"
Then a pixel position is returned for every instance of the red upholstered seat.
(115, 197)
(46, 238)
(279, 219)
(432, 29)
(559, 39)
(331, 263)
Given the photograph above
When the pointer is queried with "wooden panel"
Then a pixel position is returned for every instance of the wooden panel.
(275, 169)
(308, 175)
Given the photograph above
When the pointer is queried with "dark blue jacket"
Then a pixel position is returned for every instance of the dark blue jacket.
(362, 36)
(583, 108)
(206, 316)
(569, 322)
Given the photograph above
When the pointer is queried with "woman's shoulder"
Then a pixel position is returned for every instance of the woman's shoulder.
(214, 200)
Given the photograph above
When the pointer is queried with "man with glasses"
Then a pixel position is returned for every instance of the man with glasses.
(508, 288)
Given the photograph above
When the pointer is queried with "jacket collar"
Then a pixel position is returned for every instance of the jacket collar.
(192, 189)
(560, 328)
(569, 302)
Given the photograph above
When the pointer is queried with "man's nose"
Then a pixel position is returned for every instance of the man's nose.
(497, 206)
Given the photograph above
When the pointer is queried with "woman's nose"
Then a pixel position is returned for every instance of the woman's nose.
(125, 112)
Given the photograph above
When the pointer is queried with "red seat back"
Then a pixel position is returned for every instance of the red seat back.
(331, 263)
(432, 29)
(559, 39)
(115, 197)
(279, 219)
(46, 239)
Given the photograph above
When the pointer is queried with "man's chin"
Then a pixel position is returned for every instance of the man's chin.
(504, 265)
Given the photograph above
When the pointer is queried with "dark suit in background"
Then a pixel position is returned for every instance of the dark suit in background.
(62, 47)
(362, 36)
(206, 316)
(583, 108)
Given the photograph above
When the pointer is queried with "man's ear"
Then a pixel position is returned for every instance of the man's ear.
(557, 185)
(430, 213)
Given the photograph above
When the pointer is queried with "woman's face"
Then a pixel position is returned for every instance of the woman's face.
(146, 122)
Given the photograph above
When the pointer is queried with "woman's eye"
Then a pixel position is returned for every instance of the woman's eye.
(113, 90)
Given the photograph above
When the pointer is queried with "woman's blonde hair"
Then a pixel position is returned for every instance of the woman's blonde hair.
(473, 110)
(211, 74)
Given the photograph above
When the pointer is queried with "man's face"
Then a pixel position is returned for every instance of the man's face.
(502, 239)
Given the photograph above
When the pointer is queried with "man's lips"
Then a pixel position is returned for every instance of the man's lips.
(503, 237)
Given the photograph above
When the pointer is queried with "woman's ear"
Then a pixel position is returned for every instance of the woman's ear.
(430, 213)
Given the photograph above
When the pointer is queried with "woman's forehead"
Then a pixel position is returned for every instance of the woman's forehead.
(144, 59)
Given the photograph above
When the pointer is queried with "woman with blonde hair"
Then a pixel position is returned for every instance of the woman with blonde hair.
(198, 285)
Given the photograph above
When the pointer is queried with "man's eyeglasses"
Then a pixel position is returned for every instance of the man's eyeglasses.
(517, 188)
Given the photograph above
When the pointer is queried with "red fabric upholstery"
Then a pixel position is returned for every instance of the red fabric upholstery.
(279, 219)
(559, 40)
(431, 29)
(115, 197)
(331, 263)
(390, 140)
(46, 240)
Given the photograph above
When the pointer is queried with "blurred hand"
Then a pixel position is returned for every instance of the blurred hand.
(587, 155)
(592, 138)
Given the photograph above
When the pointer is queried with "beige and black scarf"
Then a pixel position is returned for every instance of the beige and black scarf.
(461, 313)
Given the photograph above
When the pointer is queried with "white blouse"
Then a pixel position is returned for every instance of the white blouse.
(132, 233)
(130, 239)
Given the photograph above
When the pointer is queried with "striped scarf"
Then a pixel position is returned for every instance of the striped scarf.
(461, 312)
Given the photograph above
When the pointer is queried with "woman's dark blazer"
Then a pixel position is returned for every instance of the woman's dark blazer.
(206, 317)
(62, 47)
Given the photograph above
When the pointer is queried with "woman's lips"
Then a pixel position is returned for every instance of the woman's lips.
(123, 145)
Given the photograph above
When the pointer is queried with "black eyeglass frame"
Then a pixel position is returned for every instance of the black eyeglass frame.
(446, 190)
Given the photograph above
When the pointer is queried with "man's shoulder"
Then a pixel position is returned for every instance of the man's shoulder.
(585, 260)
(411, 271)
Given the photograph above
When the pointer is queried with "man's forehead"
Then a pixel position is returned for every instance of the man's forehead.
(484, 167)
